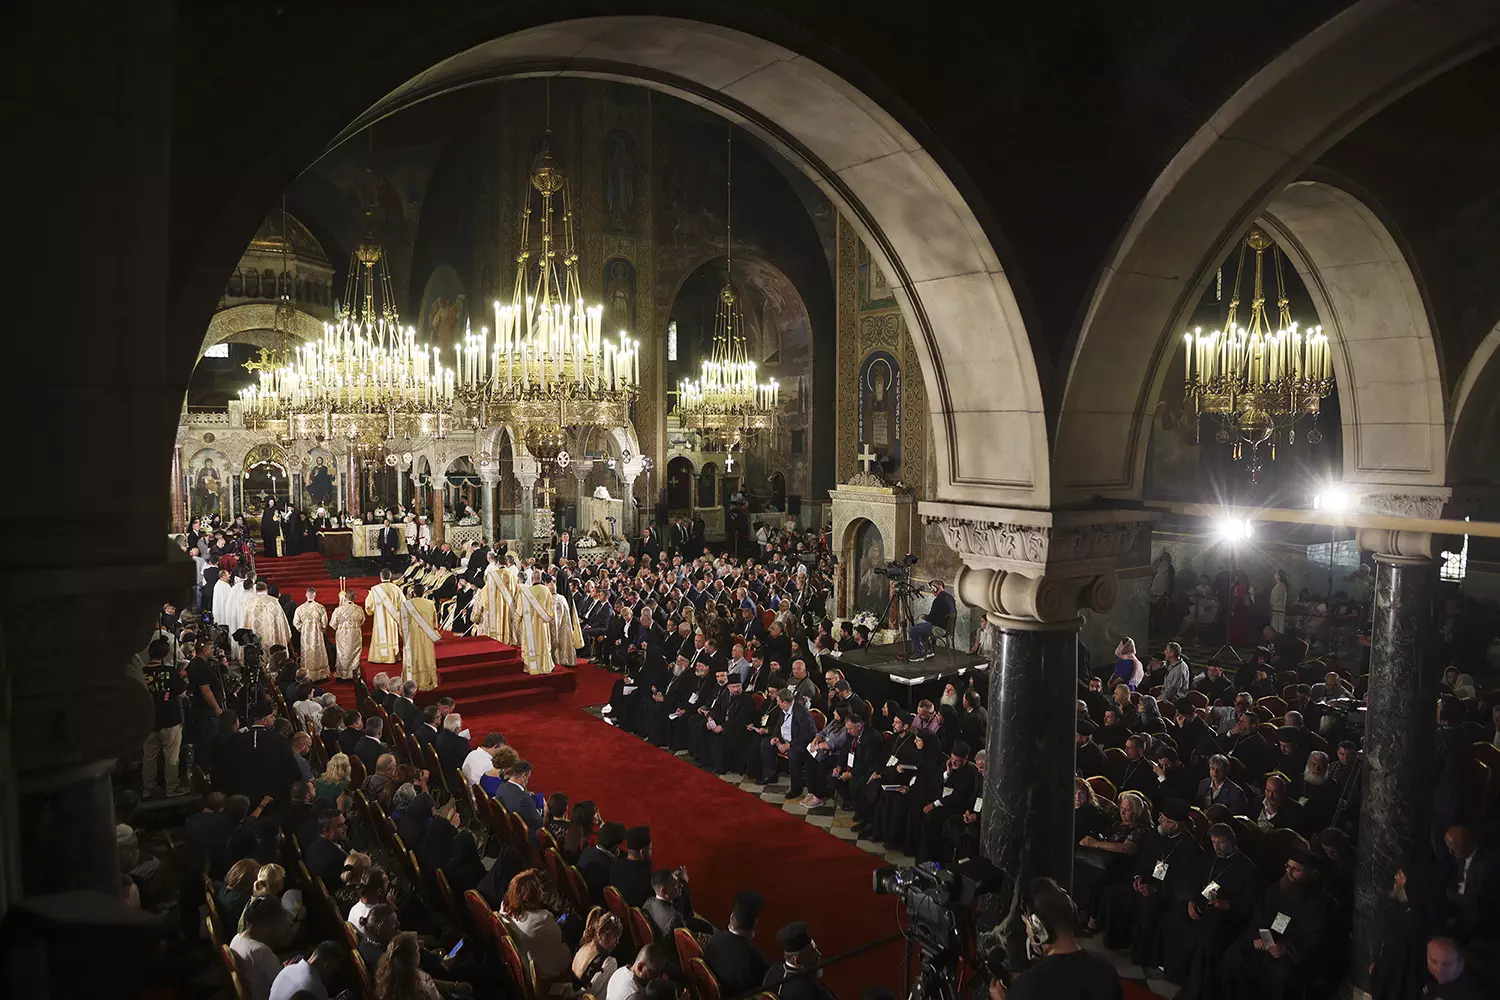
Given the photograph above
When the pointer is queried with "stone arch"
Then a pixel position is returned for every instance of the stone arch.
(1259, 142)
(1474, 415)
(255, 324)
(987, 412)
(1385, 362)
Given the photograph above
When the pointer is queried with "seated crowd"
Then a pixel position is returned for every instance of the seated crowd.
(1218, 824)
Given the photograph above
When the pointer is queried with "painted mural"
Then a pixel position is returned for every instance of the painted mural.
(444, 308)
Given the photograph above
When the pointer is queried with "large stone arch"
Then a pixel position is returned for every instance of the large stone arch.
(1474, 415)
(255, 323)
(1262, 140)
(1385, 362)
(977, 361)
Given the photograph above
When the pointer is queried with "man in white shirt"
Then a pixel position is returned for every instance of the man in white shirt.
(629, 982)
(482, 758)
(311, 974)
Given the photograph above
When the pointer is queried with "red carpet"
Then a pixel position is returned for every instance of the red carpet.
(728, 839)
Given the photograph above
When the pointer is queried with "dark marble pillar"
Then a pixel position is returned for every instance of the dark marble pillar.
(1028, 783)
(1398, 745)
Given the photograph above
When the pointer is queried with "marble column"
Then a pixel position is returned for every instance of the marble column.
(401, 489)
(1028, 789)
(1395, 821)
(580, 472)
(351, 482)
(525, 543)
(627, 510)
(439, 507)
(488, 481)
(179, 506)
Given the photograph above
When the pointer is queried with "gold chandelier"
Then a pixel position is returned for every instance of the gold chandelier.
(1258, 381)
(726, 396)
(367, 376)
(548, 360)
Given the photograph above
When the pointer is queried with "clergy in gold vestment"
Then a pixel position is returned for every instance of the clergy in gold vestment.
(419, 637)
(312, 623)
(494, 603)
(567, 637)
(265, 617)
(536, 628)
(348, 623)
(384, 603)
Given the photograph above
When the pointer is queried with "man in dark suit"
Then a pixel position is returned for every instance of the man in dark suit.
(731, 954)
(514, 796)
(564, 550)
(1217, 789)
(789, 729)
(849, 770)
(596, 861)
(388, 539)
(261, 764)
(595, 617)
(452, 749)
(632, 873)
(325, 855)
(1472, 884)
(427, 732)
(368, 746)
(1088, 755)
(405, 709)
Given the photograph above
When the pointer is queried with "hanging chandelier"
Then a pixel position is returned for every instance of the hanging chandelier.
(725, 397)
(1259, 381)
(367, 377)
(548, 360)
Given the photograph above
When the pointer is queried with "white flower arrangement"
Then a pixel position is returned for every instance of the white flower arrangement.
(868, 620)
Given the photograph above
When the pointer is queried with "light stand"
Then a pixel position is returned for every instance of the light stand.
(1232, 531)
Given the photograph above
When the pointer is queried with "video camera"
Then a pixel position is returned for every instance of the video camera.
(937, 903)
(898, 569)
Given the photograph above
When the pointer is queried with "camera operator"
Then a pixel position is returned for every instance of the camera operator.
(940, 615)
(1062, 970)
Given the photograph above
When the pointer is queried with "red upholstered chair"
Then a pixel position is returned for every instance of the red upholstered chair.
(642, 930)
(1103, 787)
(450, 905)
(705, 986)
(237, 987)
(545, 841)
(819, 720)
(519, 969)
(364, 982)
(520, 838)
(615, 903)
(687, 946)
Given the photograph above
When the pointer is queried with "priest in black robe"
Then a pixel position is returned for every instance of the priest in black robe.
(1287, 947)
(270, 529)
(663, 700)
(1088, 756)
(1166, 876)
(699, 693)
(1192, 937)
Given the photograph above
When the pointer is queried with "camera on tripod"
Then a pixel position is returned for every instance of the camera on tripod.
(937, 904)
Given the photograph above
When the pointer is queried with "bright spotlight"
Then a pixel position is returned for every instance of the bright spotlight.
(1234, 529)
(1334, 499)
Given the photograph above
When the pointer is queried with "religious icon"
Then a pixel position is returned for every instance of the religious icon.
(619, 179)
(880, 409)
(871, 590)
(619, 296)
(875, 290)
(320, 484)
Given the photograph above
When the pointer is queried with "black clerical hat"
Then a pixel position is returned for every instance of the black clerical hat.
(747, 907)
(905, 718)
(261, 709)
(1176, 810)
(1308, 859)
(1086, 727)
(1288, 734)
(638, 838)
(794, 937)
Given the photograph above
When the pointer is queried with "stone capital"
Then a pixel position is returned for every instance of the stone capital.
(1399, 501)
(1037, 566)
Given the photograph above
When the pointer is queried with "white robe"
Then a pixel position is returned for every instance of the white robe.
(265, 615)
(311, 620)
(222, 590)
(235, 616)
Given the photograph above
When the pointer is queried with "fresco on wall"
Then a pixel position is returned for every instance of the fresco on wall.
(619, 297)
(778, 335)
(874, 290)
(619, 180)
(871, 590)
(879, 427)
(444, 308)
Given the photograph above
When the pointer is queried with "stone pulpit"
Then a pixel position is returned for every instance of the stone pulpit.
(599, 507)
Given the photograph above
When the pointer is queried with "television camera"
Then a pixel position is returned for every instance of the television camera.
(937, 904)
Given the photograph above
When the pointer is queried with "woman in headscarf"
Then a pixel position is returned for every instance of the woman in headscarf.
(414, 821)
(888, 711)
(1128, 668)
(1151, 721)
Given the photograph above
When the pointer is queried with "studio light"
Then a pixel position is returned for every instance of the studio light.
(1334, 499)
(1234, 529)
